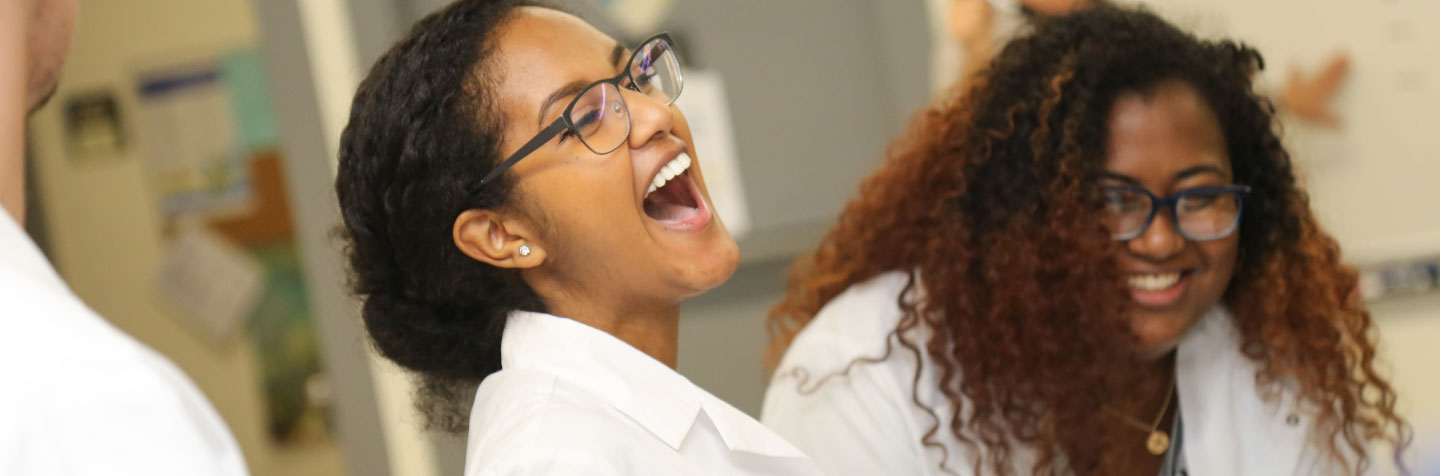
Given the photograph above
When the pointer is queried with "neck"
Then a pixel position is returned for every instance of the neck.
(654, 330)
(13, 106)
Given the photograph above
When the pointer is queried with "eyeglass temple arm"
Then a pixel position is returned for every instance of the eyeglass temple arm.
(525, 150)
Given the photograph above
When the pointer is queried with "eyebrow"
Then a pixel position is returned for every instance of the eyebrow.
(1200, 169)
(617, 53)
(569, 89)
(1181, 175)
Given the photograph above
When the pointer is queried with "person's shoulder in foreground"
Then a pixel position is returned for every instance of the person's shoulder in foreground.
(81, 397)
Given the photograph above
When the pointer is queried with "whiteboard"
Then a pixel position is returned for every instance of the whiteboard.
(1376, 182)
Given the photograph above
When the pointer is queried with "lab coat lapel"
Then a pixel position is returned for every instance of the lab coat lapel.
(1230, 428)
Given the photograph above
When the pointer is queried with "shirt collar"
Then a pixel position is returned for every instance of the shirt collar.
(652, 394)
(18, 254)
(649, 392)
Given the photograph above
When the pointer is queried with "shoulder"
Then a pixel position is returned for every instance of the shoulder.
(49, 337)
(75, 383)
(526, 421)
(855, 324)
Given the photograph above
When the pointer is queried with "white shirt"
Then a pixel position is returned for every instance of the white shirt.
(79, 397)
(865, 422)
(571, 399)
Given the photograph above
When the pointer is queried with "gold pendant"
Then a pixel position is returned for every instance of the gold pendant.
(1157, 443)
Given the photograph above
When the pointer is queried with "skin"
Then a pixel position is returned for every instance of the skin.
(596, 257)
(1170, 141)
(1055, 7)
(34, 40)
(1167, 140)
(971, 23)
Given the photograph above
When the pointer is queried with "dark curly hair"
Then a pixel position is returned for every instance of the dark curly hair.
(992, 199)
(424, 126)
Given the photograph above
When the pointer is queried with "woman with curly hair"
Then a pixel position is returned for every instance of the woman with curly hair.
(1096, 261)
(524, 219)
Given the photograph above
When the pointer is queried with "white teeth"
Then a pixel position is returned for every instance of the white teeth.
(1153, 282)
(669, 171)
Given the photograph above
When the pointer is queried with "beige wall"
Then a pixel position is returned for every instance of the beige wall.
(103, 219)
(1410, 341)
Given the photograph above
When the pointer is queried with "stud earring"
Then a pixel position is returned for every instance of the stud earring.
(524, 250)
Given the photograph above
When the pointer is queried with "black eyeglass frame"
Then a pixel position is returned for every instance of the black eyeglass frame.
(1173, 202)
(564, 122)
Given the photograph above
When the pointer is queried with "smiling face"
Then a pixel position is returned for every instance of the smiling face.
(606, 236)
(1168, 141)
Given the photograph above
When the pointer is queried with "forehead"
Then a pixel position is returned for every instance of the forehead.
(540, 50)
(1169, 127)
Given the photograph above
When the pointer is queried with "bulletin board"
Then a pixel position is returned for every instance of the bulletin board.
(1375, 182)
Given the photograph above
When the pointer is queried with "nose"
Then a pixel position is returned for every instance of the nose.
(649, 118)
(1161, 239)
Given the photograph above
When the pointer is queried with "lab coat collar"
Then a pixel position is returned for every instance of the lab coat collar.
(652, 394)
(1230, 428)
(18, 254)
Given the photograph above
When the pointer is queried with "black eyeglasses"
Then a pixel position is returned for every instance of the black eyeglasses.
(598, 115)
(1200, 214)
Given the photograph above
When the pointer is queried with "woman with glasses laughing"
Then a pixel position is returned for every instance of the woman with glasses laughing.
(525, 214)
(1096, 261)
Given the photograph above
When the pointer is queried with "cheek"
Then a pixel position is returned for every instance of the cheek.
(584, 202)
(1221, 256)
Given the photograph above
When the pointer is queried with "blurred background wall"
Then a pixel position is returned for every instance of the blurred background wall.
(814, 91)
(106, 233)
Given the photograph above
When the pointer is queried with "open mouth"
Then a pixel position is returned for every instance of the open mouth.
(1157, 289)
(672, 198)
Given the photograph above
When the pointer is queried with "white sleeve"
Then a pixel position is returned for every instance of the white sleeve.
(857, 423)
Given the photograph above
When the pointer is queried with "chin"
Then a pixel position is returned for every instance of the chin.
(1157, 334)
(710, 268)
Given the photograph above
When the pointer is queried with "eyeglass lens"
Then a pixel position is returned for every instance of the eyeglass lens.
(1200, 215)
(600, 115)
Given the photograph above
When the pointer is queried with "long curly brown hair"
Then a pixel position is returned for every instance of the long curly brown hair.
(992, 201)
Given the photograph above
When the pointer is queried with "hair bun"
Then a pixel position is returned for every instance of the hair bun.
(437, 339)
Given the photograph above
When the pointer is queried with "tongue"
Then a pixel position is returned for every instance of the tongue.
(673, 202)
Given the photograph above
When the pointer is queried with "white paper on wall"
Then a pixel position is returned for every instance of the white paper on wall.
(705, 107)
(637, 18)
(210, 281)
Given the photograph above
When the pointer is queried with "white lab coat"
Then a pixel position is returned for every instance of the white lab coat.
(865, 422)
(79, 397)
(571, 399)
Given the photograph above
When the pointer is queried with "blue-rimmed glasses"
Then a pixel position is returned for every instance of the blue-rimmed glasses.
(1200, 214)
(598, 115)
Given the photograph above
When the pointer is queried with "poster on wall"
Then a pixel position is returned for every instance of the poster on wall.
(210, 144)
(708, 112)
(93, 127)
(189, 134)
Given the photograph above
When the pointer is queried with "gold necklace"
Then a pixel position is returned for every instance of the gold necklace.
(1159, 441)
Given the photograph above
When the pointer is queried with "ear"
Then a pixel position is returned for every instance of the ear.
(497, 239)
